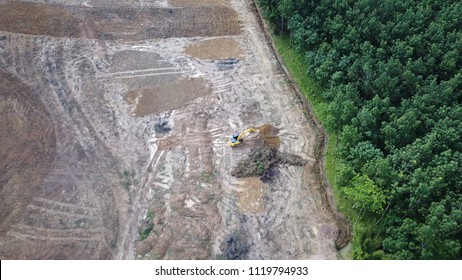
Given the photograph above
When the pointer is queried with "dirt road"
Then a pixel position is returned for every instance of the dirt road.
(115, 117)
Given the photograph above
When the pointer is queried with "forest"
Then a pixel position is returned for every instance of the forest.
(391, 78)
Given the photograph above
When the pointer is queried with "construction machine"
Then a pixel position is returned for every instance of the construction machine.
(237, 139)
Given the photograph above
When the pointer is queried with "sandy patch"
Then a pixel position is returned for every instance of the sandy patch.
(250, 194)
(219, 48)
(166, 97)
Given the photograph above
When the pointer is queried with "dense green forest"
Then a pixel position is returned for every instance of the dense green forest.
(391, 73)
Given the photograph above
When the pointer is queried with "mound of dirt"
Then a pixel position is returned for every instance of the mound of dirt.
(267, 130)
(263, 162)
(269, 135)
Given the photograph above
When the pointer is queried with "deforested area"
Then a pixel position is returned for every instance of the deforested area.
(116, 117)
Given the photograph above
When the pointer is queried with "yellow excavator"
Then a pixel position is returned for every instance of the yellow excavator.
(237, 139)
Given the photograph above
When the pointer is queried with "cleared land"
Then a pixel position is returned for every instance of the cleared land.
(115, 117)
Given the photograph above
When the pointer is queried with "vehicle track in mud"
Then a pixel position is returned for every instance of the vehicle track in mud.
(105, 163)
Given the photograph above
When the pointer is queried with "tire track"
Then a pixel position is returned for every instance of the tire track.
(144, 73)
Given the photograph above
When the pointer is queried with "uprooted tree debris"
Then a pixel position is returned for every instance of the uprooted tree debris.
(263, 162)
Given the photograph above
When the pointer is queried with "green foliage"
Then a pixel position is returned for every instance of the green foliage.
(149, 226)
(365, 194)
(260, 166)
(392, 74)
(369, 244)
(151, 215)
(145, 233)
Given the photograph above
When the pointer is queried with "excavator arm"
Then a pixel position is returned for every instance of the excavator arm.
(248, 131)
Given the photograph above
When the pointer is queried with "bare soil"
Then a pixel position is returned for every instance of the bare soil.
(113, 22)
(27, 153)
(251, 196)
(161, 98)
(38, 19)
(269, 135)
(218, 48)
(115, 118)
(186, 3)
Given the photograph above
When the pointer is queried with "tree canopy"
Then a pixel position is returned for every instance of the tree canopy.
(392, 74)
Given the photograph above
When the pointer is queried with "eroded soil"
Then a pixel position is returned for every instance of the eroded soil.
(115, 118)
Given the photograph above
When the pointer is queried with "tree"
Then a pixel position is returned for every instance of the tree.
(365, 194)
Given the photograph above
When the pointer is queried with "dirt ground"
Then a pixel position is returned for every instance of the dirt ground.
(166, 97)
(217, 48)
(184, 3)
(115, 119)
